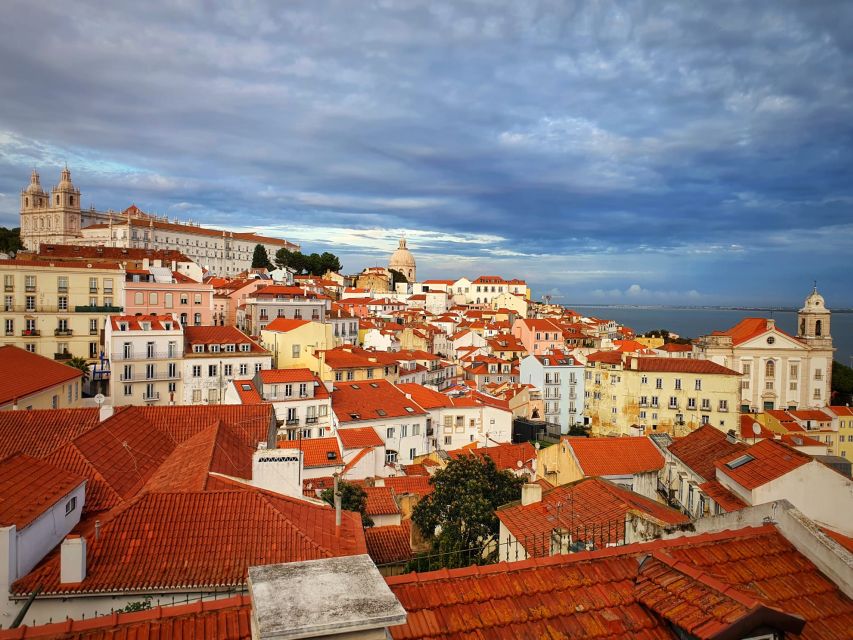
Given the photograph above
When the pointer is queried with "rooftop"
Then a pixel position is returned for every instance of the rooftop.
(23, 373)
(29, 486)
(615, 456)
(761, 463)
(700, 448)
(371, 400)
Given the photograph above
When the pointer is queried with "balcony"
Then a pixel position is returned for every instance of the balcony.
(62, 356)
(144, 355)
(88, 308)
(63, 332)
(291, 422)
(93, 332)
(61, 289)
(8, 288)
(93, 290)
(35, 333)
(311, 420)
(30, 288)
(143, 377)
(154, 396)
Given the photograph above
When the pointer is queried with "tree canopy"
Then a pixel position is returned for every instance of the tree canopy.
(460, 513)
(80, 363)
(260, 258)
(353, 498)
(315, 264)
(842, 383)
(397, 276)
(10, 240)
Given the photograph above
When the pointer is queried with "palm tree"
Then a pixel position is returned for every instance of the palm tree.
(79, 363)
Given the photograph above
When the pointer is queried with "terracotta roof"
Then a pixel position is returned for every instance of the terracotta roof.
(380, 501)
(225, 619)
(247, 392)
(768, 460)
(699, 604)
(359, 437)
(615, 456)
(749, 328)
(607, 357)
(47, 251)
(699, 449)
(23, 373)
(277, 376)
(840, 538)
(505, 456)
(679, 365)
(726, 499)
(363, 401)
(155, 323)
(388, 545)
(747, 422)
(418, 485)
(810, 414)
(595, 595)
(41, 431)
(29, 486)
(284, 325)
(317, 452)
(590, 510)
(220, 336)
(350, 357)
(250, 422)
(154, 543)
(674, 347)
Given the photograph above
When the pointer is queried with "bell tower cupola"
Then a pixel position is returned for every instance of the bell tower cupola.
(813, 320)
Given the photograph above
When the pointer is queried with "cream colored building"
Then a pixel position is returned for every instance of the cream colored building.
(779, 371)
(292, 342)
(640, 396)
(58, 309)
(33, 382)
(146, 355)
(59, 218)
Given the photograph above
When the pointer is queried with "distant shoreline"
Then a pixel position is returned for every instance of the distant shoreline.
(698, 308)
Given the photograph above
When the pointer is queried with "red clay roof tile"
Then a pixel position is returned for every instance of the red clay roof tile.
(29, 486)
(388, 545)
(615, 456)
(41, 431)
(770, 459)
(700, 448)
(23, 373)
(359, 437)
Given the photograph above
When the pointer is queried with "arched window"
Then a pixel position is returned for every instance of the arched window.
(803, 327)
(26, 202)
(57, 199)
(818, 327)
(71, 200)
(770, 369)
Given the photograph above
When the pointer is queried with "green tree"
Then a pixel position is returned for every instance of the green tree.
(396, 277)
(10, 240)
(79, 363)
(260, 258)
(315, 264)
(459, 515)
(353, 498)
(842, 384)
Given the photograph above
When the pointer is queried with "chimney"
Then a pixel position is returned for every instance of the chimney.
(337, 506)
(771, 323)
(531, 493)
(72, 560)
(105, 411)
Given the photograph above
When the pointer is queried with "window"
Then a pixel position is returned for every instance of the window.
(770, 369)
(244, 369)
(706, 404)
(691, 403)
(698, 385)
(389, 433)
(63, 303)
(416, 429)
(196, 371)
(654, 401)
(644, 380)
(448, 440)
(818, 374)
(724, 405)
(185, 299)
(212, 370)
(149, 371)
(390, 457)
(196, 396)
(30, 283)
(746, 368)
(673, 402)
(678, 384)
(30, 302)
(258, 366)
(153, 298)
(10, 326)
(62, 284)
(70, 506)
(197, 298)
(659, 383)
(412, 453)
(792, 386)
(169, 300)
(245, 346)
(794, 371)
(303, 390)
(404, 430)
(197, 320)
(228, 370)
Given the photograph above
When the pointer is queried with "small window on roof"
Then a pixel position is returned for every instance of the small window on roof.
(374, 385)
(354, 416)
(355, 386)
(246, 387)
(740, 461)
(381, 412)
(331, 455)
(410, 410)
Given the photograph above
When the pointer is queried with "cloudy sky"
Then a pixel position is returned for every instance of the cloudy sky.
(650, 152)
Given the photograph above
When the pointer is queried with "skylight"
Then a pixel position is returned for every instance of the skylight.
(739, 462)
(246, 387)
(381, 412)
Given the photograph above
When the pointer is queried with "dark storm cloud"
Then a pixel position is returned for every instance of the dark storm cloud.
(610, 150)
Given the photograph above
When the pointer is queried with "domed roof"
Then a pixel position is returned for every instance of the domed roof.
(814, 302)
(35, 186)
(402, 257)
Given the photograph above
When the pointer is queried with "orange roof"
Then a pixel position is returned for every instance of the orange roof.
(286, 324)
(41, 431)
(505, 456)
(371, 400)
(317, 452)
(23, 373)
(29, 486)
(250, 422)
(615, 456)
(767, 460)
(726, 499)
(380, 501)
(747, 422)
(596, 594)
(224, 619)
(220, 335)
(699, 449)
(591, 510)
(154, 543)
(607, 357)
(163, 322)
(749, 328)
(247, 392)
(810, 414)
(388, 545)
(679, 365)
(418, 485)
(359, 437)
(47, 251)
(278, 376)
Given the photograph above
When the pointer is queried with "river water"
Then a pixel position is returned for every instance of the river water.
(693, 322)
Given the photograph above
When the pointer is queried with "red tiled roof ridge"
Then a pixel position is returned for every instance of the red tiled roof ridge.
(580, 556)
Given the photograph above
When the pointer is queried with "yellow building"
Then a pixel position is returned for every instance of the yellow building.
(58, 309)
(845, 431)
(293, 342)
(626, 395)
(650, 343)
(353, 364)
(29, 381)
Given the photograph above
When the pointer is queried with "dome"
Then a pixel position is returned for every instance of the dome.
(34, 187)
(402, 258)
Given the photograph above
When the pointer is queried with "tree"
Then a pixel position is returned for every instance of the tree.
(79, 363)
(459, 515)
(396, 277)
(10, 240)
(353, 498)
(842, 384)
(315, 264)
(260, 258)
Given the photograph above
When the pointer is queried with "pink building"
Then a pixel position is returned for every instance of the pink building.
(159, 291)
(231, 294)
(539, 336)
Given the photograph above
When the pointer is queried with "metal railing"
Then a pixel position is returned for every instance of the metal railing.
(142, 377)
(144, 355)
(31, 333)
(151, 397)
(63, 332)
(88, 308)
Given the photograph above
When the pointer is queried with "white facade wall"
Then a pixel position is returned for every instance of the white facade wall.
(412, 444)
(210, 389)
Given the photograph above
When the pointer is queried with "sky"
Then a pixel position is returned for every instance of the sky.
(607, 152)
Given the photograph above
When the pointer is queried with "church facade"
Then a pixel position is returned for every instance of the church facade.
(779, 371)
(58, 218)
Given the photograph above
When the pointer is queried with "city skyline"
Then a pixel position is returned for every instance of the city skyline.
(644, 154)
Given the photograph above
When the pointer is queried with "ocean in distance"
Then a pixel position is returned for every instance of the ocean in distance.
(693, 322)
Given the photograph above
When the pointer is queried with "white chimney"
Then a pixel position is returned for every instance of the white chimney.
(72, 560)
(105, 412)
(531, 493)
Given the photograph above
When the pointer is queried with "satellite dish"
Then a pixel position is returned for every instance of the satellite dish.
(756, 428)
(519, 464)
(99, 399)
